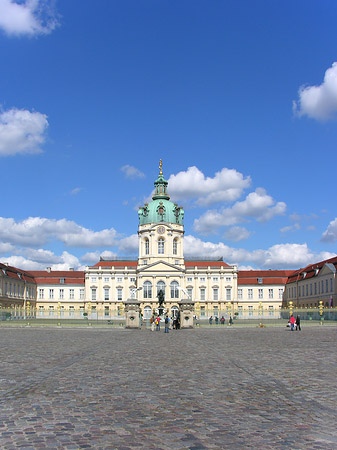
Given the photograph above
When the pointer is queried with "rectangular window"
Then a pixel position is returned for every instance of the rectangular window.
(132, 279)
(81, 294)
(93, 279)
(119, 294)
(331, 285)
(306, 290)
(190, 292)
(271, 293)
(240, 294)
(202, 293)
(106, 294)
(51, 293)
(189, 279)
(41, 293)
(71, 311)
(202, 311)
(326, 285)
(216, 311)
(310, 288)
(250, 311)
(315, 288)
(106, 311)
(61, 294)
(61, 280)
(260, 293)
(71, 294)
(271, 310)
(215, 294)
(215, 279)
(228, 279)
(106, 279)
(280, 293)
(119, 279)
(93, 294)
(250, 293)
(240, 310)
(228, 294)
(202, 279)
(51, 311)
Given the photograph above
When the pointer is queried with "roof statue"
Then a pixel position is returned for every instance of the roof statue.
(161, 209)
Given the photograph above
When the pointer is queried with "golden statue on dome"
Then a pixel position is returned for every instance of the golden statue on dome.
(161, 167)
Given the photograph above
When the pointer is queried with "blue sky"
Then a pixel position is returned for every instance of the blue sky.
(238, 98)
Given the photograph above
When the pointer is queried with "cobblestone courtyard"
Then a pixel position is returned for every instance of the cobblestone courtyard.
(206, 388)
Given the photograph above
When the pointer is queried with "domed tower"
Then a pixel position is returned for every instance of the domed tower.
(161, 228)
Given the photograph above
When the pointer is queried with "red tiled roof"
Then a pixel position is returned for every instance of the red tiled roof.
(206, 264)
(116, 264)
(265, 280)
(67, 281)
(13, 272)
(57, 273)
(310, 270)
(264, 273)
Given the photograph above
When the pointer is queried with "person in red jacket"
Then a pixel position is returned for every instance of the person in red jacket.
(292, 322)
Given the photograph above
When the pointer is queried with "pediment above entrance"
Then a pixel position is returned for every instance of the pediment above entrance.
(161, 266)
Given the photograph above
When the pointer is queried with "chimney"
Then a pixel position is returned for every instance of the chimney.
(48, 269)
(6, 264)
(71, 269)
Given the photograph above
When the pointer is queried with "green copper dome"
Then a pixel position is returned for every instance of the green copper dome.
(161, 209)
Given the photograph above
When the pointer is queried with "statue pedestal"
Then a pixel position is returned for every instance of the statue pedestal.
(132, 313)
(186, 307)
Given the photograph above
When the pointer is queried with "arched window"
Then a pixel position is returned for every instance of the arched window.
(147, 312)
(174, 311)
(160, 287)
(174, 289)
(147, 247)
(161, 246)
(175, 246)
(147, 289)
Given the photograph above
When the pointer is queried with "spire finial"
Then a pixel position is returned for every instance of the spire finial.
(161, 167)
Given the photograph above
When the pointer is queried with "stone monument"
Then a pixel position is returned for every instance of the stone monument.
(186, 307)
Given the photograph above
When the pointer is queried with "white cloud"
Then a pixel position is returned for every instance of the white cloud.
(27, 17)
(279, 256)
(132, 172)
(257, 205)
(36, 231)
(63, 262)
(94, 257)
(294, 227)
(5, 247)
(129, 245)
(76, 191)
(237, 234)
(21, 131)
(319, 102)
(330, 234)
(226, 186)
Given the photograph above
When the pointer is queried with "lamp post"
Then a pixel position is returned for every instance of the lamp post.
(59, 312)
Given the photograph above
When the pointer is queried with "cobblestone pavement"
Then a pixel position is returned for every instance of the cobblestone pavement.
(207, 388)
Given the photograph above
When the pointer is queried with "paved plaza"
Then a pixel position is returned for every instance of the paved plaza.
(208, 388)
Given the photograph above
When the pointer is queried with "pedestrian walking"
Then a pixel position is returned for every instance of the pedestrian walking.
(216, 320)
(230, 321)
(210, 320)
(152, 320)
(292, 322)
(298, 323)
(158, 323)
(167, 324)
(222, 320)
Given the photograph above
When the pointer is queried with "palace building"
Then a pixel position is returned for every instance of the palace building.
(217, 288)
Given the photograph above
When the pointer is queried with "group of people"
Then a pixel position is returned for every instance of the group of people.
(295, 323)
(222, 320)
(173, 323)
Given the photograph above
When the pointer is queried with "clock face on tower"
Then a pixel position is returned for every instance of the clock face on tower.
(161, 230)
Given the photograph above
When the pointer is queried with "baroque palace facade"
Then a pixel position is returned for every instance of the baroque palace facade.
(216, 287)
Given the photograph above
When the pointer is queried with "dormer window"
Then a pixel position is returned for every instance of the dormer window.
(259, 281)
(61, 280)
